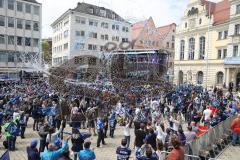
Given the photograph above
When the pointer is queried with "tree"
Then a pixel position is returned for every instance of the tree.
(47, 54)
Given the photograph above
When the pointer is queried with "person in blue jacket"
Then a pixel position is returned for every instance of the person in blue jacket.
(52, 153)
(112, 123)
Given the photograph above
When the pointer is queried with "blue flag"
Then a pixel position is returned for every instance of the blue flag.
(5, 156)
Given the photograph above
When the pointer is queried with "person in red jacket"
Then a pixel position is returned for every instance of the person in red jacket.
(235, 127)
(177, 153)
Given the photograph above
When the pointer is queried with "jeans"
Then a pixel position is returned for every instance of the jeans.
(112, 131)
(35, 124)
(11, 142)
(75, 155)
(128, 141)
(42, 145)
(100, 138)
(23, 128)
(236, 138)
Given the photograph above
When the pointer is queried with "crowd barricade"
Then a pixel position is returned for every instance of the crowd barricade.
(213, 137)
(164, 155)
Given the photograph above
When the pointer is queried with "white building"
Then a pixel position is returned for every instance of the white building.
(20, 34)
(86, 29)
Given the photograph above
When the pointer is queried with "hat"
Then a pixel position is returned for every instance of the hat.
(34, 143)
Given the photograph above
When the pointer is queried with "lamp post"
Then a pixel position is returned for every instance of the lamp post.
(208, 50)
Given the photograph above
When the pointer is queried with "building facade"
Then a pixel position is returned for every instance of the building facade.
(201, 46)
(87, 29)
(232, 62)
(20, 35)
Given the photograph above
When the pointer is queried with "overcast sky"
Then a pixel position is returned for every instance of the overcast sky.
(163, 11)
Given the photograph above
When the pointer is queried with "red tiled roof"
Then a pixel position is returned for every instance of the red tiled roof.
(163, 30)
(220, 11)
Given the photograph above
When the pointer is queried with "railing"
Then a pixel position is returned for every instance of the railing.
(164, 154)
(212, 137)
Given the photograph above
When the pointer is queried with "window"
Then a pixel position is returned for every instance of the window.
(102, 37)
(186, 25)
(92, 35)
(79, 45)
(124, 39)
(27, 41)
(19, 41)
(35, 42)
(11, 40)
(219, 35)
(28, 25)
(102, 13)
(1, 3)
(106, 37)
(167, 44)
(65, 34)
(117, 27)
(237, 29)
(19, 6)
(28, 8)
(11, 4)
(10, 22)
(3, 57)
(113, 27)
(220, 78)
(93, 23)
(182, 49)
(219, 54)
(224, 53)
(200, 21)
(11, 57)
(2, 21)
(2, 39)
(92, 47)
(235, 51)
(65, 46)
(238, 9)
(172, 45)
(173, 38)
(19, 23)
(80, 20)
(90, 10)
(201, 47)
(36, 10)
(191, 47)
(35, 26)
(225, 34)
(127, 30)
(104, 25)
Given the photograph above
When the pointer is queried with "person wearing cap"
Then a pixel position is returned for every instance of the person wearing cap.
(52, 153)
(32, 151)
(87, 153)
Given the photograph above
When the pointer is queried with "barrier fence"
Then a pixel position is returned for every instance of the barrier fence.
(206, 141)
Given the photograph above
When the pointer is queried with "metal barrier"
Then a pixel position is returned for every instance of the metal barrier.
(164, 154)
(213, 137)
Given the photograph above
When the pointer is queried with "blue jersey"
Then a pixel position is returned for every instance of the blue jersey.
(123, 153)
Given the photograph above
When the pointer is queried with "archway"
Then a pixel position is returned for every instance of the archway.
(200, 77)
(180, 77)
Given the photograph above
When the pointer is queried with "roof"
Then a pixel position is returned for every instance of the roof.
(85, 8)
(164, 30)
(220, 11)
(32, 1)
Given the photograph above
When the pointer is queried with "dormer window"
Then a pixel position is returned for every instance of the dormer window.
(200, 21)
(90, 10)
(102, 13)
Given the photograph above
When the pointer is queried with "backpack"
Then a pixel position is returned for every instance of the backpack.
(12, 129)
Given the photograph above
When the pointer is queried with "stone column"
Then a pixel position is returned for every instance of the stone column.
(227, 77)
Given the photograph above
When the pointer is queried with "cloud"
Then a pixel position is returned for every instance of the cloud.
(162, 11)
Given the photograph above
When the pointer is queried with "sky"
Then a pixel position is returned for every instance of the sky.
(163, 11)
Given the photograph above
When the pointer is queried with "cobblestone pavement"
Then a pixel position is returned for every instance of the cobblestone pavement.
(106, 152)
(230, 153)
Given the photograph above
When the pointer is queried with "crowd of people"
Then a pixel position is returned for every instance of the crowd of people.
(163, 118)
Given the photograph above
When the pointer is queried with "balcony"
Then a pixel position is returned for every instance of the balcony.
(232, 61)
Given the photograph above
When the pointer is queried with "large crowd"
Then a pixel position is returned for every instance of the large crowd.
(163, 118)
